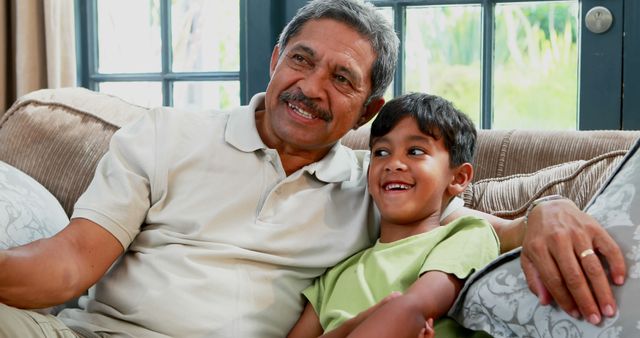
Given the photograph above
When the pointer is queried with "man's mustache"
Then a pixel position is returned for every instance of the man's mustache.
(310, 106)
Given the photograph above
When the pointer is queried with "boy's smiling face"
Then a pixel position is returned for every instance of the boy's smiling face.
(409, 175)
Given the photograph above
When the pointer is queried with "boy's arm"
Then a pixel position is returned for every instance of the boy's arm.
(308, 325)
(430, 296)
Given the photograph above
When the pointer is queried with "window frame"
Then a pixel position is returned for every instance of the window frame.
(87, 55)
(600, 61)
(608, 99)
(631, 66)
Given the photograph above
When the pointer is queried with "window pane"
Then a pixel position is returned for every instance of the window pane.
(205, 35)
(387, 12)
(536, 65)
(443, 53)
(203, 95)
(129, 36)
(146, 94)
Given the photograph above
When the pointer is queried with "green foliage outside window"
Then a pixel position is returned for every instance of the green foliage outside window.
(535, 61)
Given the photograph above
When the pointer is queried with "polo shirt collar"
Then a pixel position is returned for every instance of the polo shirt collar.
(241, 131)
(337, 166)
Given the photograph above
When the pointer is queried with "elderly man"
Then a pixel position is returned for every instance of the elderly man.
(210, 225)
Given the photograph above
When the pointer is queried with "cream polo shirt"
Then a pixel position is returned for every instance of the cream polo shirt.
(228, 241)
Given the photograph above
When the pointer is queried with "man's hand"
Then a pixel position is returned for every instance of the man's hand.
(557, 234)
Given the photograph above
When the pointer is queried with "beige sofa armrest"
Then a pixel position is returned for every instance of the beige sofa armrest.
(57, 136)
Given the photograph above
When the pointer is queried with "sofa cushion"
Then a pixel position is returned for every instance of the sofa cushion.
(503, 153)
(509, 196)
(27, 210)
(498, 301)
(57, 136)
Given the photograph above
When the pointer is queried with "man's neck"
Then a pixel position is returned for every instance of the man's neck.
(293, 160)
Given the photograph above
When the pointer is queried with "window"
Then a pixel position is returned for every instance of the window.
(183, 53)
(507, 64)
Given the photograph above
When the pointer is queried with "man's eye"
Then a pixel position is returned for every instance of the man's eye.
(416, 151)
(342, 79)
(298, 58)
(380, 152)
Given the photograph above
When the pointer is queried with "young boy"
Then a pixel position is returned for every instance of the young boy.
(421, 149)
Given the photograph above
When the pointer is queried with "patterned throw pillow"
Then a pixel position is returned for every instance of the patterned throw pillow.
(27, 210)
(497, 299)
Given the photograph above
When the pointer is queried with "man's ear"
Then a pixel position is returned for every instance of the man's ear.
(275, 55)
(462, 176)
(370, 110)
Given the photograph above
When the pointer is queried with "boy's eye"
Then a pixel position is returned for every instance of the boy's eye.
(416, 151)
(380, 152)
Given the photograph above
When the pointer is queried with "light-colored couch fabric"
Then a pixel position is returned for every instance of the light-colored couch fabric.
(58, 136)
(28, 211)
(497, 299)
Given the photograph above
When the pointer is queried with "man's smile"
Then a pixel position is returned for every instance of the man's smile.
(301, 112)
(304, 106)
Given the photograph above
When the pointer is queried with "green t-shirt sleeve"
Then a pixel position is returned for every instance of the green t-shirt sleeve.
(470, 244)
(313, 293)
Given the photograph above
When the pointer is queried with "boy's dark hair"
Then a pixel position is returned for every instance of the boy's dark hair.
(435, 117)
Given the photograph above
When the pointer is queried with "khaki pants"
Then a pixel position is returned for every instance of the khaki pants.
(17, 323)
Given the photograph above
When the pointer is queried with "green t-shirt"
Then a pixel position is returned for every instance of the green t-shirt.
(362, 280)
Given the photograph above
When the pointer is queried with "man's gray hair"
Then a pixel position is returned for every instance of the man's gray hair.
(366, 20)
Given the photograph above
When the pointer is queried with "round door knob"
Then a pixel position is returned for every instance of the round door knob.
(598, 20)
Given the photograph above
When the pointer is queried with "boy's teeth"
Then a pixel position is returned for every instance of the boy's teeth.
(397, 186)
(301, 112)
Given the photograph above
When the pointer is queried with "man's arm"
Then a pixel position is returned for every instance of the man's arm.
(556, 233)
(51, 271)
(430, 296)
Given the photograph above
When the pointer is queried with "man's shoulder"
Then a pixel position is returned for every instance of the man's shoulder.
(179, 117)
(343, 165)
(361, 155)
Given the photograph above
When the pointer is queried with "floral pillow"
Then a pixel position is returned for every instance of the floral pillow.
(497, 299)
(27, 210)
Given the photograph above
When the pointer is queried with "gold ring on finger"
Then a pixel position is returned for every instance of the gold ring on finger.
(587, 252)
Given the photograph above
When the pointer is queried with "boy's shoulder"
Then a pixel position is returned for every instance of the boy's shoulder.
(471, 223)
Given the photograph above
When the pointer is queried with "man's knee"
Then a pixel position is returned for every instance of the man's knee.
(23, 323)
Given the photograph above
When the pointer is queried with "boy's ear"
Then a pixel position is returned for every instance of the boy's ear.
(370, 110)
(462, 176)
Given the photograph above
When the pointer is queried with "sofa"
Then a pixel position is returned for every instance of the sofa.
(55, 137)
